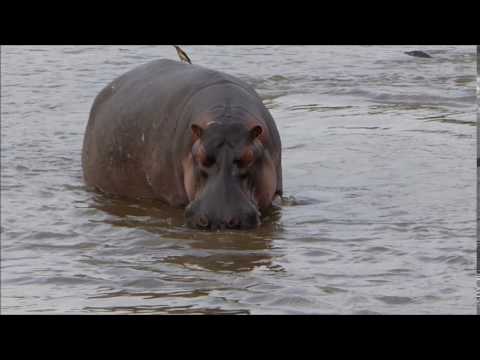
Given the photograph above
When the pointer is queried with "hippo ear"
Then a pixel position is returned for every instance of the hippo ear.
(255, 132)
(197, 132)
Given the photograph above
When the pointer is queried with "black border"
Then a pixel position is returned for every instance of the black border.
(240, 23)
(207, 334)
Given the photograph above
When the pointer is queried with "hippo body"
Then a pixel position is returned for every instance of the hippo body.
(188, 136)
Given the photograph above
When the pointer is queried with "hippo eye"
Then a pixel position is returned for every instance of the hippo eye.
(243, 175)
(245, 160)
(208, 161)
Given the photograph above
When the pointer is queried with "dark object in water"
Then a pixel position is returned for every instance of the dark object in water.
(418, 53)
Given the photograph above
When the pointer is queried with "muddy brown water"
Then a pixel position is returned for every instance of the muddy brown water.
(379, 180)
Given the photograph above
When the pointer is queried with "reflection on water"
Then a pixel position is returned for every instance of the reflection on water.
(164, 310)
(379, 208)
(234, 250)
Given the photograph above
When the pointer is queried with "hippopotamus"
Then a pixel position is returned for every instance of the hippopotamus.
(190, 137)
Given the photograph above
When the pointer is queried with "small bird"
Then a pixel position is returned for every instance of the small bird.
(182, 55)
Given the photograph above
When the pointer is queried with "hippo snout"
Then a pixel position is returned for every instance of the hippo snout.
(205, 220)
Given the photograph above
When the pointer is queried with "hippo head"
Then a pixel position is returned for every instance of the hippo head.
(228, 176)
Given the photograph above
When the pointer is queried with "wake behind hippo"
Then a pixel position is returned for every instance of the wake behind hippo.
(188, 136)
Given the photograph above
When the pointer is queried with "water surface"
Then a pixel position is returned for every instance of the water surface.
(379, 182)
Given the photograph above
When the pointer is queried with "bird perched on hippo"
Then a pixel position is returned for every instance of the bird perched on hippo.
(189, 136)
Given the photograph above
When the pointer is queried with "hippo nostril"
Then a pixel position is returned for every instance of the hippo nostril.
(202, 221)
(233, 223)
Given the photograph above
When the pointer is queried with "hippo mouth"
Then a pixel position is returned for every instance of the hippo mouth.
(198, 218)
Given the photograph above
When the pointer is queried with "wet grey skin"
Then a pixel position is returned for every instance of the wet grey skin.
(149, 127)
(226, 201)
